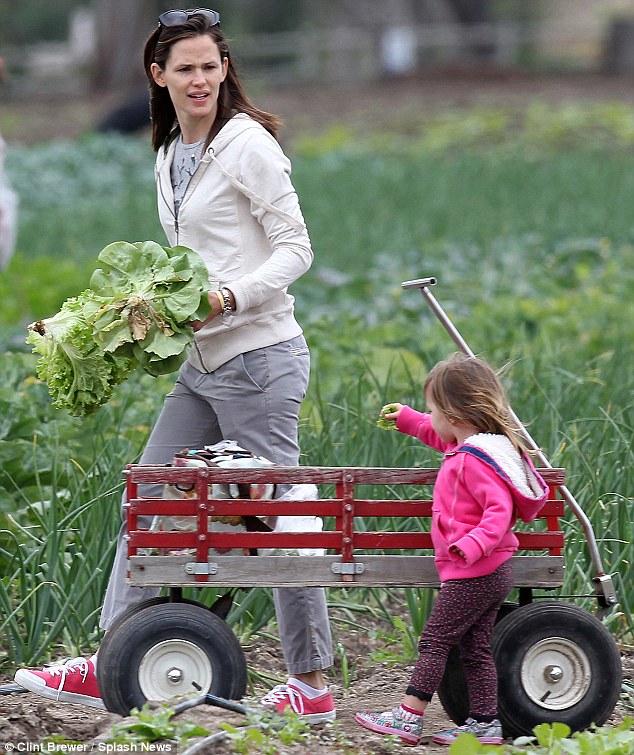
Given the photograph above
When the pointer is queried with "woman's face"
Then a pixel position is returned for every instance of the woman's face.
(193, 74)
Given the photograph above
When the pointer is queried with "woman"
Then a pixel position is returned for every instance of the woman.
(224, 190)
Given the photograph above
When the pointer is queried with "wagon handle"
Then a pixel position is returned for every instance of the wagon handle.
(606, 594)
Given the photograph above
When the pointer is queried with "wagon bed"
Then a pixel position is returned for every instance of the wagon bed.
(357, 529)
(556, 661)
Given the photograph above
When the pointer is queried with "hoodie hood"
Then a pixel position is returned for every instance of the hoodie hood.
(240, 127)
(239, 124)
(528, 488)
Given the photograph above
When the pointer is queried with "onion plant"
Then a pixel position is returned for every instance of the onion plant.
(538, 280)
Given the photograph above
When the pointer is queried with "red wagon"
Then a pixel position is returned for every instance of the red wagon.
(556, 660)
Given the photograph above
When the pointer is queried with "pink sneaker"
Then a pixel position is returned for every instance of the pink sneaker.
(314, 710)
(395, 722)
(72, 682)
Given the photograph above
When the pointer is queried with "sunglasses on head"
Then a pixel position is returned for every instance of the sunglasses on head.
(178, 17)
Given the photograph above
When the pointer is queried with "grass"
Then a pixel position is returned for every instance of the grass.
(532, 240)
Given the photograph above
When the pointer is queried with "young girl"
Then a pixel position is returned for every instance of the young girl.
(485, 481)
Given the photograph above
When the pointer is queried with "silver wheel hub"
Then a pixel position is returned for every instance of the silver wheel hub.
(556, 673)
(172, 668)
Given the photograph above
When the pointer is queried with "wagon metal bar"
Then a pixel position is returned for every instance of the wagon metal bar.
(12, 689)
(603, 582)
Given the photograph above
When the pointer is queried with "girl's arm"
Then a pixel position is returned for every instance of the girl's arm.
(485, 486)
(418, 424)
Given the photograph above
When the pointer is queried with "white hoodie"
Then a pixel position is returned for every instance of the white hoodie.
(241, 214)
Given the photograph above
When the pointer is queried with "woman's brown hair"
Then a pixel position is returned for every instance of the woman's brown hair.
(467, 390)
(232, 98)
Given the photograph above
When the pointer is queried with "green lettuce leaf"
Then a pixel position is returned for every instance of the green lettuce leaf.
(136, 314)
(145, 296)
(80, 375)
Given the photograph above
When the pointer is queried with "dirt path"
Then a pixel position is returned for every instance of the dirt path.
(26, 718)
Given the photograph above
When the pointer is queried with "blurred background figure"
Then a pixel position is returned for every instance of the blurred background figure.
(8, 204)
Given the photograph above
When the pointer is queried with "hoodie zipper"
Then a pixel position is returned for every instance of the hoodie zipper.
(169, 207)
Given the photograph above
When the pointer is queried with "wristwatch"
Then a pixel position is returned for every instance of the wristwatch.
(227, 309)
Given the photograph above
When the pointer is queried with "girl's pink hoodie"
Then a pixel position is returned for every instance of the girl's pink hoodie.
(475, 503)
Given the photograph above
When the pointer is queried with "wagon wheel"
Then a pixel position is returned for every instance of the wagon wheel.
(167, 650)
(131, 610)
(220, 606)
(452, 691)
(556, 662)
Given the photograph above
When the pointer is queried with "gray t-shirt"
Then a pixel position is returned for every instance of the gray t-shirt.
(184, 164)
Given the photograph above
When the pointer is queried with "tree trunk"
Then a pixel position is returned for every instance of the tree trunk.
(122, 28)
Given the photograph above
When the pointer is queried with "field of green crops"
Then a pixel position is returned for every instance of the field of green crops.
(528, 227)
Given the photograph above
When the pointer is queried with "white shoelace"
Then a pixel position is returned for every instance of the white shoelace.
(282, 691)
(70, 667)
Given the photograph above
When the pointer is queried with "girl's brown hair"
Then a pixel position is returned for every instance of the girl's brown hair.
(232, 98)
(467, 390)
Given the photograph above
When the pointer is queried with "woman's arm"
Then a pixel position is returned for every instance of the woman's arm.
(265, 171)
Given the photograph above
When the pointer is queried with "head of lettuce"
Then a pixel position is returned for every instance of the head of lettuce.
(136, 314)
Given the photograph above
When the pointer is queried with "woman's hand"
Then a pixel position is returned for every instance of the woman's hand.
(216, 304)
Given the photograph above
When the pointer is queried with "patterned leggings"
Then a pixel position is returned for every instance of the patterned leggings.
(463, 615)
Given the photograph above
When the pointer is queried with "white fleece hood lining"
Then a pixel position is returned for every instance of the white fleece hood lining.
(501, 450)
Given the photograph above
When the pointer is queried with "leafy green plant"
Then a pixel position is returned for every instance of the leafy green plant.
(263, 732)
(346, 665)
(556, 739)
(383, 423)
(80, 375)
(151, 724)
(144, 298)
(399, 645)
(137, 313)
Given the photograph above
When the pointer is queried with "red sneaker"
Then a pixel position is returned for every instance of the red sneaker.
(314, 710)
(72, 682)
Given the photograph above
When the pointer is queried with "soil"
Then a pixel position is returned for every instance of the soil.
(28, 718)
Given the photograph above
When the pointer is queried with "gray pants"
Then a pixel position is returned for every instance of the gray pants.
(253, 399)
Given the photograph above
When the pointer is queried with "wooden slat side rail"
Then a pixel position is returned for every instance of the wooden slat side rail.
(540, 572)
(353, 537)
(139, 473)
(320, 507)
(332, 539)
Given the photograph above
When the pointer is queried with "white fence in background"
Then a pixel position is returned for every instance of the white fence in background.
(344, 54)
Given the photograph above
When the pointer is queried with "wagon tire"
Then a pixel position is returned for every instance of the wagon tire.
(452, 691)
(158, 601)
(167, 650)
(220, 607)
(556, 662)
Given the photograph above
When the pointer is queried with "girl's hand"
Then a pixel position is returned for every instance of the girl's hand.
(391, 411)
(388, 416)
(456, 551)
